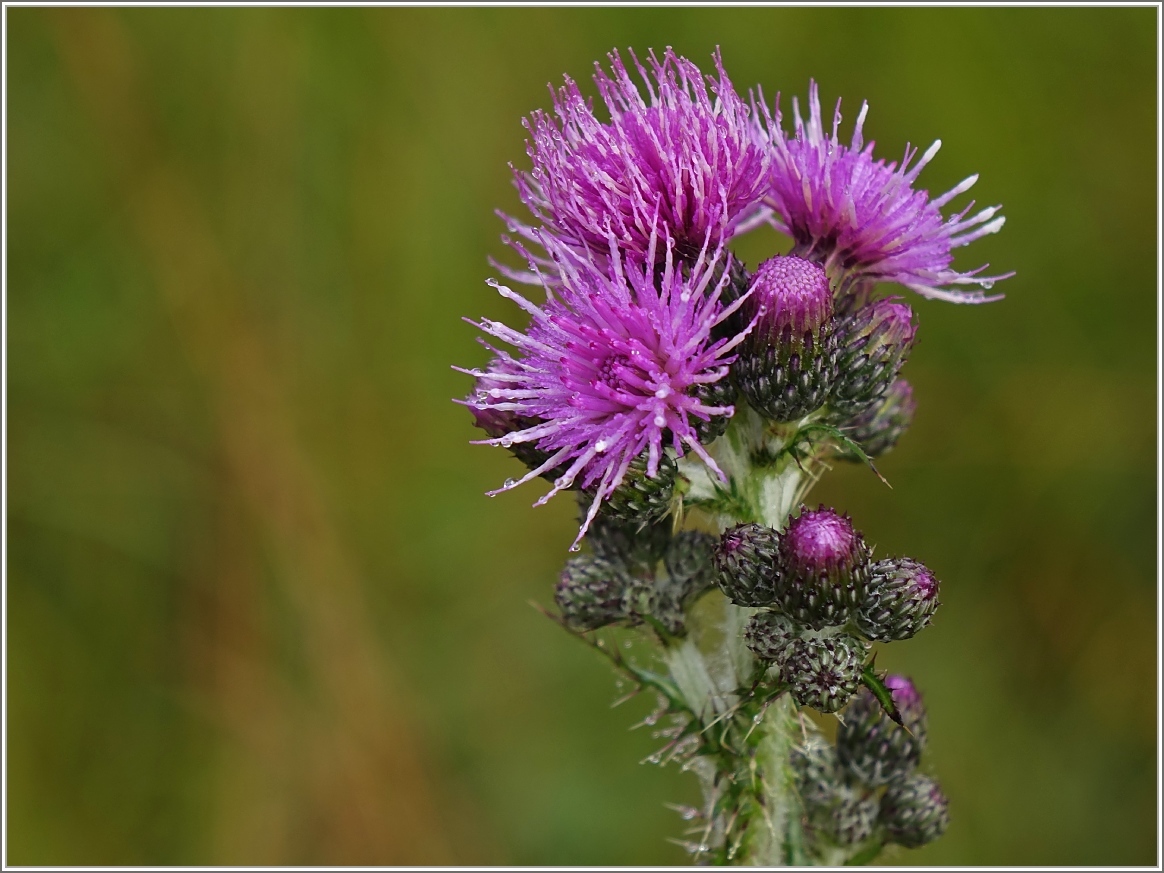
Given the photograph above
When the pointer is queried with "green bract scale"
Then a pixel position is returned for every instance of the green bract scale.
(871, 748)
(823, 565)
(874, 343)
(787, 364)
(824, 672)
(745, 562)
(900, 599)
(914, 811)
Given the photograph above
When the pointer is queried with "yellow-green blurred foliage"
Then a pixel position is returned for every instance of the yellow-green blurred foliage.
(259, 610)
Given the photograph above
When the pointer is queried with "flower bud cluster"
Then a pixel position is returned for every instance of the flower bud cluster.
(866, 787)
(824, 599)
(635, 572)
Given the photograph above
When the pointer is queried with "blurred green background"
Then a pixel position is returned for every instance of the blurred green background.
(259, 610)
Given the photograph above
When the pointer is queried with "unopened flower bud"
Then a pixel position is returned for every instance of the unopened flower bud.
(824, 672)
(851, 818)
(815, 770)
(842, 813)
(914, 811)
(636, 548)
(823, 568)
(690, 562)
(770, 636)
(746, 564)
(875, 342)
(874, 750)
(590, 592)
(787, 365)
(878, 428)
(900, 599)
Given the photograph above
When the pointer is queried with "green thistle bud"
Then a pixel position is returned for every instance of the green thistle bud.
(900, 599)
(875, 342)
(878, 429)
(770, 636)
(746, 564)
(638, 549)
(590, 592)
(690, 562)
(815, 770)
(851, 818)
(842, 814)
(914, 811)
(874, 750)
(825, 672)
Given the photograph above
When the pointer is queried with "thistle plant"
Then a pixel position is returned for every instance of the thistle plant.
(690, 404)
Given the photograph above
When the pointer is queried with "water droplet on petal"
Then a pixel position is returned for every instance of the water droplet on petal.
(986, 284)
(601, 446)
(509, 483)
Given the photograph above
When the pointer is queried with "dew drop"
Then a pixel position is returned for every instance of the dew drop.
(476, 372)
(986, 284)
(627, 644)
(756, 719)
(509, 483)
(507, 441)
(601, 446)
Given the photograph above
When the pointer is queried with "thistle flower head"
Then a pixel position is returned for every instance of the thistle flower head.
(609, 366)
(863, 216)
(688, 149)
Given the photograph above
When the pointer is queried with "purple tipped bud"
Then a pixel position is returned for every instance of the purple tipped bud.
(823, 568)
(875, 342)
(879, 427)
(793, 299)
(900, 599)
(746, 567)
(788, 363)
(914, 811)
(873, 749)
(824, 672)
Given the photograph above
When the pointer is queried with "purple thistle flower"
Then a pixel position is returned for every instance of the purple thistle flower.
(609, 365)
(861, 215)
(691, 157)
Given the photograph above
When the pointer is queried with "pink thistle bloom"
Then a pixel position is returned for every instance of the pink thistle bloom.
(609, 367)
(862, 216)
(692, 155)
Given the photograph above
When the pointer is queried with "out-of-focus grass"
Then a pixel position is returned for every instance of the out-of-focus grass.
(258, 608)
